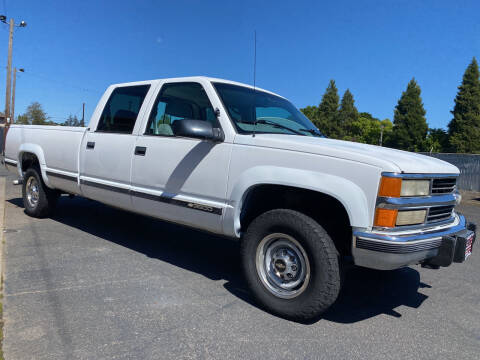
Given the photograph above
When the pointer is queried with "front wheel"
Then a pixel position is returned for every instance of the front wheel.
(290, 264)
(39, 200)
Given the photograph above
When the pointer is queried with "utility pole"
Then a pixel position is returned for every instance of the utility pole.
(9, 73)
(381, 134)
(83, 115)
(12, 25)
(13, 91)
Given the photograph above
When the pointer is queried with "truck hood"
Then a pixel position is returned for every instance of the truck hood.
(385, 158)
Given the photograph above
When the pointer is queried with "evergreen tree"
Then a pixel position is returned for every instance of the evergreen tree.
(347, 115)
(72, 121)
(464, 128)
(437, 140)
(327, 117)
(409, 122)
(311, 112)
(22, 120)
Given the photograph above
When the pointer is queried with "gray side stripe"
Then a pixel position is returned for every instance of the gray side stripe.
(62, 176)
(106, 187)
(169, 200)
(160, 198)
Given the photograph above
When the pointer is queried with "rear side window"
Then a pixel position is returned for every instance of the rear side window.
(122, 108)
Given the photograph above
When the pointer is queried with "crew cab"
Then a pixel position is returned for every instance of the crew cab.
(243, 162)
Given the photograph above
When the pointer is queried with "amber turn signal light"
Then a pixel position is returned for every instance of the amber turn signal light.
(390, 187)
(385, 217)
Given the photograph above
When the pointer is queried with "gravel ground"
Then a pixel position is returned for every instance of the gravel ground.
(94, 282)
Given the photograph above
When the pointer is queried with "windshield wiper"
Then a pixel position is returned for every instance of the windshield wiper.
(313, 132)
(280, 126)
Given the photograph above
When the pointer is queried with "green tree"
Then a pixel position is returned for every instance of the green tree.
(311, 112)
(387, 127)
(35, 115)
(437, 140)
(409, 122)
(72, 121)
(464, 128)
(327, 115)
(368, 129)
(22, 120)
(347, 115)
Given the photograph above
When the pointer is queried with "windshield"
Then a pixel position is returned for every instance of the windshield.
(262, 112)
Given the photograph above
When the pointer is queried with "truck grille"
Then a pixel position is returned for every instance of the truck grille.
(439, 213)
(443, 185)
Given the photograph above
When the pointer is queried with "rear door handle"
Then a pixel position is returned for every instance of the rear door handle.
(90, 144)
(140, 150)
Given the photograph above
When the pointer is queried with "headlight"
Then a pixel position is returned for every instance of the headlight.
(415, 188)
(411, 217)
(397, 187)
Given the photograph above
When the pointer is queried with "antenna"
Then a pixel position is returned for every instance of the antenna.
(255, 59)
(254, 81)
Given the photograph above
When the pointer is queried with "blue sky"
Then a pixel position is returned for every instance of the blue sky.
(72, 50)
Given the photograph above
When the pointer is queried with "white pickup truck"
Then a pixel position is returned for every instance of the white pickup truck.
(242, 162)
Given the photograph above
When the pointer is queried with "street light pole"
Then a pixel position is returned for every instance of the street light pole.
(11, 23)
(13, 91)
(13, 94)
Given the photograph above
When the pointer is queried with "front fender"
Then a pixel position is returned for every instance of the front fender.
(350, 195)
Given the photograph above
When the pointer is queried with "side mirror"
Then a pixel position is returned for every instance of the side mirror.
(197, 129)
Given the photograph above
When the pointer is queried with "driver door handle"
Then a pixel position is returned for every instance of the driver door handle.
(140, 150)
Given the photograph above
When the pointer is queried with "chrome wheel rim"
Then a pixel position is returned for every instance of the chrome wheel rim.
(282, 265)
(33, 191)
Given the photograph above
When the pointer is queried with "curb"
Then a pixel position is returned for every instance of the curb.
(2, 222)
(2, 262)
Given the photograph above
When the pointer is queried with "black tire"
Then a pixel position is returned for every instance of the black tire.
(323, 286)
(47, 198)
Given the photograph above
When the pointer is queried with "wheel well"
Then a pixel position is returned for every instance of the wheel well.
(29, 160)
(325, 209)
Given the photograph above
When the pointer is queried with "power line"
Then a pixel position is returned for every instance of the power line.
(63, 83)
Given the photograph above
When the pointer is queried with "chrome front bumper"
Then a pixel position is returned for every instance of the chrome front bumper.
(388, 251)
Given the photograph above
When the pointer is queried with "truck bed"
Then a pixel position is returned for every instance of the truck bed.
(58, 145)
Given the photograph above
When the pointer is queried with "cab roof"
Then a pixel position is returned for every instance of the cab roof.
(196, 78)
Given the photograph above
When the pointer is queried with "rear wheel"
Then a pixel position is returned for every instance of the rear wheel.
(290, 264)
(38, 200)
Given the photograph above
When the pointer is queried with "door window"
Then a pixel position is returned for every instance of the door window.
(122, 108)
(176, 102)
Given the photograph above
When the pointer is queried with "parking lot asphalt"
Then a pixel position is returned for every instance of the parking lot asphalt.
(94, 282)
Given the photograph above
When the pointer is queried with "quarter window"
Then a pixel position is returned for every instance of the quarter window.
(122, 108)
(176, 102)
